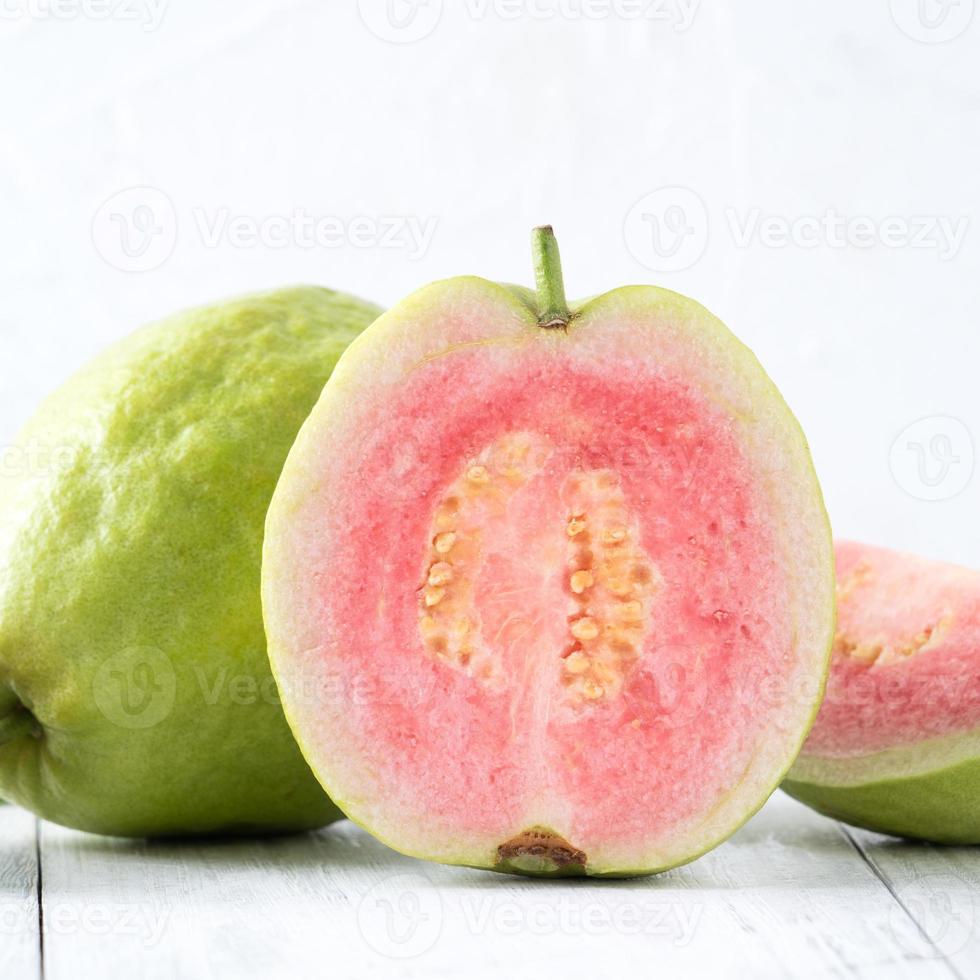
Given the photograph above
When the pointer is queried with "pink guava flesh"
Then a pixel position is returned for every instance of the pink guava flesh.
(906, 656)
(896, 746)
(536, 606)
(711, 625)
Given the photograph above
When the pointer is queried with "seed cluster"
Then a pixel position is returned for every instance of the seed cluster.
(445, 627)
(448, 621)
(609, 579)
(611, 582)
(881, 651)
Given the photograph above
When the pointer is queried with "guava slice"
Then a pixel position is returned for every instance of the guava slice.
(549, 589)
(135, 691)
(896, 745)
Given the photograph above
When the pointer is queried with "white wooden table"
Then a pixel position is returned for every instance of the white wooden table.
(791, 895)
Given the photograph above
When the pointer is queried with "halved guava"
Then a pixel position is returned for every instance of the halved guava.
(549, 590)
(896, 746)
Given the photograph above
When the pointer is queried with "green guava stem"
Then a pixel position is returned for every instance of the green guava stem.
(552, 306)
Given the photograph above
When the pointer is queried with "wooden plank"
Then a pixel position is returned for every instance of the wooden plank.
(789, 896)
(806, 905)
(20, 943)
(938, 887)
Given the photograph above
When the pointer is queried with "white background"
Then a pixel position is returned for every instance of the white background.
(796, 166)
(502, 117)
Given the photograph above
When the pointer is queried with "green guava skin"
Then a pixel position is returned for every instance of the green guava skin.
(135, 692)
(939, 806)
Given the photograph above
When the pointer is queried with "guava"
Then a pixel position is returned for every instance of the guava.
(549, 587)
(896, 745)
(135, 691)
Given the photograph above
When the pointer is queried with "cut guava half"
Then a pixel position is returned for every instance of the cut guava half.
(549, 590)
(896, 746)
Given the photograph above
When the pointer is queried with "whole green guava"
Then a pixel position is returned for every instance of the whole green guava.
(135, 692)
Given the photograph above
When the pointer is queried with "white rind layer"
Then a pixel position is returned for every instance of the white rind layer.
(899, 762)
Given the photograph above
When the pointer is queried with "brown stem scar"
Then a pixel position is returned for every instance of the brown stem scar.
(543, 847)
